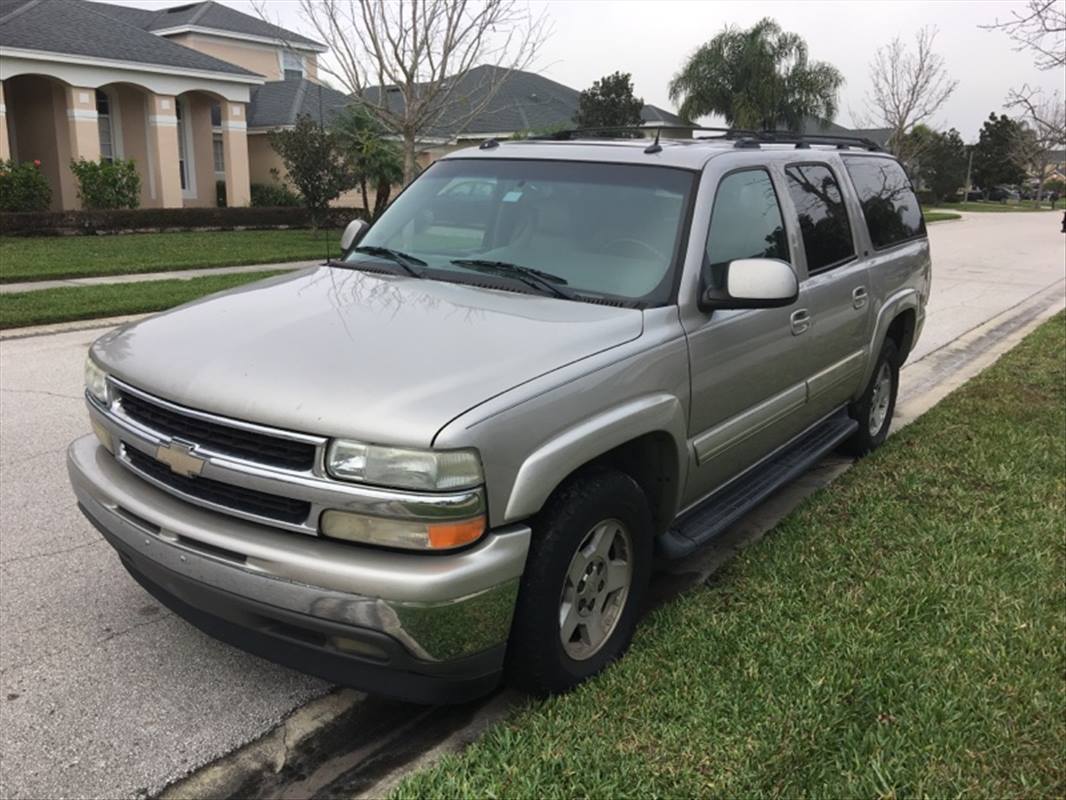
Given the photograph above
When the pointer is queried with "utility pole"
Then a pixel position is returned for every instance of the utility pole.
(969, 166)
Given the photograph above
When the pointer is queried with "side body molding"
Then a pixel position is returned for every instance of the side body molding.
(542, 470)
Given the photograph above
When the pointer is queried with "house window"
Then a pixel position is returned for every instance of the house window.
(104, 126)
(217, 152)
(292, 64)
(184, 155)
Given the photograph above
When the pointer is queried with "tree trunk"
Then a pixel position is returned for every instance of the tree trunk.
(382, 199)
(366, 199)
(410, 167)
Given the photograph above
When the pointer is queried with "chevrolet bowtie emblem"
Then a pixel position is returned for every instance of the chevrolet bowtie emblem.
(180, 459)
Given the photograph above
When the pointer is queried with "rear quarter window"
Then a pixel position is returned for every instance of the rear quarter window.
(888, 203)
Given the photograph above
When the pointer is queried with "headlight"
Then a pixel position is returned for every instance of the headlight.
(95, 381)
(404, 468)
(410, 534)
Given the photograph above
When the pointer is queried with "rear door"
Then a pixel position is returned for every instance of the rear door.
(836, 286)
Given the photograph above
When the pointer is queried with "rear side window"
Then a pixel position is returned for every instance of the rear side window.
(745, 223)
(823, 217)
(888, 202)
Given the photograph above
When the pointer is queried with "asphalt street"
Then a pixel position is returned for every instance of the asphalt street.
(104, 693)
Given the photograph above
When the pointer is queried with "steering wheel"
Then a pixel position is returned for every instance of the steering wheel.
(642, 245)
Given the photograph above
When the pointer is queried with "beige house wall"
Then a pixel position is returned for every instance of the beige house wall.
(263, 59)
(5, 146)
(262, 158)
(133, 115)
(30, 102)
(198, 124)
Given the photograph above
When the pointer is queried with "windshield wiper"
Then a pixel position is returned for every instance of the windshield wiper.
(536, 278)
(408, 262)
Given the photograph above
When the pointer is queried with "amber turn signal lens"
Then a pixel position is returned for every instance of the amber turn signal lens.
(455, 534)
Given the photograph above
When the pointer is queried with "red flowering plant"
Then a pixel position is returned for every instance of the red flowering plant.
(23, 187)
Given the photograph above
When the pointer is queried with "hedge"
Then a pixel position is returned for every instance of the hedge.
(45, 223)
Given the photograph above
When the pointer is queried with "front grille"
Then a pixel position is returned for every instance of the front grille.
(258, 447)
(237, 498)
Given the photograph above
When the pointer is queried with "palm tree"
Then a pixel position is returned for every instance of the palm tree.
(758, 78)
(376, 160)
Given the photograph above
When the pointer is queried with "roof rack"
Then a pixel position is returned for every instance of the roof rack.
(619, 131)
(805, 140)
(744, 138)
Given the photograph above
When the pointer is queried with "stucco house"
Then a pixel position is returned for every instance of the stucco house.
(186, 92)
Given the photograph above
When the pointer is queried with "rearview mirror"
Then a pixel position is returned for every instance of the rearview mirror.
(754, 283)
(351, 234)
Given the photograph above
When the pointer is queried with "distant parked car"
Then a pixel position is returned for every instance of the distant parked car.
(1003, 194)
(974, 196)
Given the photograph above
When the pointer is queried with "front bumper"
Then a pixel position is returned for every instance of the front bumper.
(423, 627)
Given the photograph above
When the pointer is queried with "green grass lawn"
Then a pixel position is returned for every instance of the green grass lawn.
(110, 300)
(938, 216)
(49, 257)
(901, 634)
(995, 208)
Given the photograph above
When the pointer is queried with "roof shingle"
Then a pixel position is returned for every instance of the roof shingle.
(77, 27)
(524, 101)
(278, 103)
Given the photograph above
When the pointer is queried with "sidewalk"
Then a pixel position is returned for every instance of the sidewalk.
(183, 274)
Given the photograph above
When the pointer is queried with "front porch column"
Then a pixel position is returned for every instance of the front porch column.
(5, 145)
(82, 140)
(164, 171)
(235, 154)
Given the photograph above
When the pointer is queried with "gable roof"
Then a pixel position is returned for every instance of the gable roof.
(278, 103)
(524, 101)
(209, 14)
(79, 28)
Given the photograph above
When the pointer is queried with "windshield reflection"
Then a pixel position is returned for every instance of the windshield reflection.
(606, 229)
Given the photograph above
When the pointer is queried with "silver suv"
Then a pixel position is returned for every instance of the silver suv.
(455, 454)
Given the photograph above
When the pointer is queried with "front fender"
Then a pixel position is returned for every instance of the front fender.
(544, 468)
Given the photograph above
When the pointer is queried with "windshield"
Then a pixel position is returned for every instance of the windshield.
(604, 229)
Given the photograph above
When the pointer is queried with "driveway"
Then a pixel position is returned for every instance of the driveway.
(104, 693)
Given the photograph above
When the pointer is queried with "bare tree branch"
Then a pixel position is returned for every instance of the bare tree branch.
(1041, 28)
(406, 60)
(1042, 130)
(909, 87)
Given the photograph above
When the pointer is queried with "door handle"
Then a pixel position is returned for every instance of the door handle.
(859, 296)
(800, 321)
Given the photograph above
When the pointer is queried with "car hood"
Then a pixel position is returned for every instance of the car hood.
(336, 352)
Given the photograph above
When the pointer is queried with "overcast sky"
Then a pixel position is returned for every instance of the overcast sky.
(650, 39)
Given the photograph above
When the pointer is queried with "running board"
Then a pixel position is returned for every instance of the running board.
(720, 510)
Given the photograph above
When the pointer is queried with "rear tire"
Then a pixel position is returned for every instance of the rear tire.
(874, 409)
(588, 567)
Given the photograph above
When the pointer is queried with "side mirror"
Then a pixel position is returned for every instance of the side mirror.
(754, 283)
(351, 234)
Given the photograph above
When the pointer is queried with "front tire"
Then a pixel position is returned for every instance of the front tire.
(588, 567)
(874, 409)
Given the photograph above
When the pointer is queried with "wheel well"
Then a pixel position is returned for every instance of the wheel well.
(901, 331)
(650, 460)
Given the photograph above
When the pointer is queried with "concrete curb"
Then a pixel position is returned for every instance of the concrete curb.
(250, 770)
(146, 277)
(66, 327)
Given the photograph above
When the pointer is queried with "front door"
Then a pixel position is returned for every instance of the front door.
(748, 367)
(835, 289)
